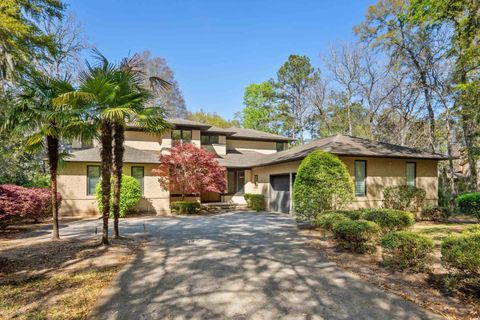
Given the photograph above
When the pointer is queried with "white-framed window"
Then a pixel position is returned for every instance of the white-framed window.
(360, 178)
(411, 173)
(93, 177)
(138, 173)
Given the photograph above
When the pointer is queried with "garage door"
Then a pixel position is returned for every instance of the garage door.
(280, 193)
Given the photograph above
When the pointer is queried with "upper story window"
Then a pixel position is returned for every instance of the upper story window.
(280, 146)
(209, 139)
(93, 176)
(411, 173)
(182, 135)
(360, 178)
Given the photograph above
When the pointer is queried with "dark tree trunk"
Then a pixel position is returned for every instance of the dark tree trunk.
(106, 155)
(52, 148)
(118, 151)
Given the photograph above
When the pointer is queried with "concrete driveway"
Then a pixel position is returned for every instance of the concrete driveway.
(236, 266)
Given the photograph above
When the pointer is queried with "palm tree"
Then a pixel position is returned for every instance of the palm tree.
(111, 96)
(35, 115)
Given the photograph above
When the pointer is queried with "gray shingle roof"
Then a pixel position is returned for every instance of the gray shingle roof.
(132, 155)
(348, 146)
(239, 158)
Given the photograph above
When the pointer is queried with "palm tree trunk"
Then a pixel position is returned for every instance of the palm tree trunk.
(52, 148)
(118, 151)
(106, 155)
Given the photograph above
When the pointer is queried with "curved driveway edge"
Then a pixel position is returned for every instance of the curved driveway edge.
(240, 266)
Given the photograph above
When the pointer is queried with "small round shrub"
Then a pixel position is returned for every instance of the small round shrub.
(322, 183)
(462, 253)
(472, 229)
(469, 204)
(328, 219)
(359, 235)
(255, 201)
(390, 220)
(351, 214)
(437, 214)
(130, 195)
(406, 250)
(404, 198)
(185, 207)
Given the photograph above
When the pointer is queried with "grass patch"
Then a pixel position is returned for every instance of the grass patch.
(438, 231)
(61, 296)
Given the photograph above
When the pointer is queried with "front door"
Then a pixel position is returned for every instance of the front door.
(280, 193)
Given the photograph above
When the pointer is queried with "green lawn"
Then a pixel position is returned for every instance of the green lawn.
(438, 231)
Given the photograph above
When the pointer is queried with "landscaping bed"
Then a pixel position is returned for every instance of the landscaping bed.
(425, 288)
(58, 279)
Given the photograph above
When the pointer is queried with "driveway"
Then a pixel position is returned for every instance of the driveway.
(237, 266)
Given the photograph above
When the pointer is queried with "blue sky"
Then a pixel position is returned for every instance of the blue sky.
(217, 48)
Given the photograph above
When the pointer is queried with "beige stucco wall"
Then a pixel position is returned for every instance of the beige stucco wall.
(381, 172)
(266, 147)
(219, 148)
(142, 140)
(72, 184)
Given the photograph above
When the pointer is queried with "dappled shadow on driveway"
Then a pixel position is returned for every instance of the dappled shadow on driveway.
(242, 266)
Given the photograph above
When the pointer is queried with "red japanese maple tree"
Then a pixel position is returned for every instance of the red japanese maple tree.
(188, 169)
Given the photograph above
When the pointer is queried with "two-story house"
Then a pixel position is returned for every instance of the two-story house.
(256, 162)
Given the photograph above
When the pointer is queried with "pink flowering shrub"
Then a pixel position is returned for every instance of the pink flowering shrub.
(21, 203)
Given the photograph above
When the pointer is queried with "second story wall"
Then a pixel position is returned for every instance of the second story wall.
(266, 147)
(142, 140)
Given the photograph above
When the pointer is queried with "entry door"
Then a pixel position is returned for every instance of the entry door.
(280, 193)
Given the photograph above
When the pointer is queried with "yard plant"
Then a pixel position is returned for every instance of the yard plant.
(470, 204)
(328, 219)
(406, 250)
(130, 195)
(185, 207)
(359, 236)
(389, 220)
(462, 253)
(437, 214)
(404, 198)
(322, 183)
(255, 201)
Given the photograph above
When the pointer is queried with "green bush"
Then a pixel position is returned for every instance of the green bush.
(130, 195)
(472, 229)
(405, 198)
(462, 253)
(437, 214)
(469, 204)
(359, 235)
(326, 220)
(185, 207)
(389, 220)
(406, 250)
(322, 183)
(255, 201)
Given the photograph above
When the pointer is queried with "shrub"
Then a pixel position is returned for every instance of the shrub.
(469, 204)
(404, 198)
(436, 213)
(328, 219)
(185, 207)
(322, 183)
(359, 235)
(462, 253)
(406, 250)
(389, 220)
(130, 195)
(472, 229)
(255, 201)
(20, 203)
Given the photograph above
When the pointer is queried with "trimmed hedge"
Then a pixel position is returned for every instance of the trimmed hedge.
(328, 219)
(469, 204)
(255, 201)
(437, 214)
(130, 195)
(185, 207)
(405, 198)
(359, 235)
(406, 250)
(462, 253)
(19, 203)
(322, 183)
(389, 220)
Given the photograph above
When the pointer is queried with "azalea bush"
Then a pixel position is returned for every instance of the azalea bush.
(328, 219)
(20, 203)
(389, 220)
(356, 235)
(322, 183)
(255, 201)
(130, 195)
(187, 169)
(185, 207)
(406, 198)
(407, 250)
(469, 204)
(437, 214)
